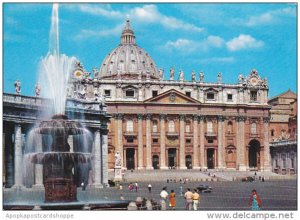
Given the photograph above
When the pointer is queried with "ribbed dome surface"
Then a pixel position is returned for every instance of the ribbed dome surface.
(128, 60)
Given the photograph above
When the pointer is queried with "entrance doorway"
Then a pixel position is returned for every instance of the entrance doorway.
(254, 154)
(210, 158)
(172, 157)
(188, 161)
(130, 158)
(155, 162)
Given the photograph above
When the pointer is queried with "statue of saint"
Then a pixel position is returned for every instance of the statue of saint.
(37, 90)
(161, 73)
(193, 76)
(118, 159)
(17, 87)
(201, 76)
(241, 78)
(181, 75)
(219, 77)
(172, 73)
(96, 73)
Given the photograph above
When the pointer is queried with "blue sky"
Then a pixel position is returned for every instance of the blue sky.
(226, 38)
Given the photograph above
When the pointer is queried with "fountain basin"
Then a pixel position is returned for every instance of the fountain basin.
(58, 157)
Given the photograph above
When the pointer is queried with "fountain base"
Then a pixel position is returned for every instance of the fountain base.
(60, 190)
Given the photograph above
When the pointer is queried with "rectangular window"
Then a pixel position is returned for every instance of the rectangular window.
(229, 97)
(253, 96)
(130, 93)
(210, 96)
(107, 93)
(155, 140)
(188, 141)
(154, 93)
(188, 94)
(210, 141)
(129, 140)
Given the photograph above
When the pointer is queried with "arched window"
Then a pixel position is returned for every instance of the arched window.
(171, 126)
(229, 127)
(209, 126)
(253, 128)
(129, 126)
(188, 126)
(154, 126)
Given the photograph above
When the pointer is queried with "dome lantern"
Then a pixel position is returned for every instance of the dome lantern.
(127, 34)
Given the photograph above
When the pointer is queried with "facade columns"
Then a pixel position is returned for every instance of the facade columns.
(162, 142)
(195, 143)
(202, 151)
(148, 143)
(18, 158)
(221, 141)
(38, 167)
(241, 143)
(267, 164)
(182, 165)
(97, 159)
(119, 146)
(140, 142)
(104, 162)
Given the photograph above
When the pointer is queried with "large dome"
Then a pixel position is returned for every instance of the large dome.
(128, 61)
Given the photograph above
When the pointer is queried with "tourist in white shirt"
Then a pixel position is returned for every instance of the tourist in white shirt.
(163, 198)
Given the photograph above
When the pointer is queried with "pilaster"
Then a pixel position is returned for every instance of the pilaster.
(182, 165)
(148, 143)
(140, 142)
(195, 143)
(162, 143)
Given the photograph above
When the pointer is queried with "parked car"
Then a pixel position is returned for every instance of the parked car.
(204, 188)
(248, 179)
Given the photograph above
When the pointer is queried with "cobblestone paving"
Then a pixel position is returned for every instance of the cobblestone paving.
(226, 195)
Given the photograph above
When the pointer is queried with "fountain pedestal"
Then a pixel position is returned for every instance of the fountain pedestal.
(118, 174)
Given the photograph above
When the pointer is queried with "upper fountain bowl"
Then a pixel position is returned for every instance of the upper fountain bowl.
(60, 125)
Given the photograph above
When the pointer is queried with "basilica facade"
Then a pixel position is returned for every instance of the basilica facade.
(176, 123)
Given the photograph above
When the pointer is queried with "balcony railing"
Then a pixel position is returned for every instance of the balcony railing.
(210, 134)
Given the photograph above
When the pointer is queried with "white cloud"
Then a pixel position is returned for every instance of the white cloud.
(100, 10)
(215, 41)
(179, 44)
(218, 60)
(243, 42)
(269, 17)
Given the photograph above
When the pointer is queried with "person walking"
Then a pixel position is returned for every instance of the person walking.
(188, 199)
(136, 186)
(163, 198)
(172, 200)
(196, 199)
(149, 187)
(255, 202)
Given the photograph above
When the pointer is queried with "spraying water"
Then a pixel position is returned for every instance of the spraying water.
(56, 67)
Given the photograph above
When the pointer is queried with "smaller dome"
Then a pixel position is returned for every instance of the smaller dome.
(128, 60)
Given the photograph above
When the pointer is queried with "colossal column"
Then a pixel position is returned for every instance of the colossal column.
(221, 154)
(18, 158)
(162, 143)
(182, 165)
(140, 142)
(196, 152)
(267, 164)
(104, 159)
(148, 143)
(202, 151)
(97, 159)
(120, 137)
(38, 167)
(241, 143)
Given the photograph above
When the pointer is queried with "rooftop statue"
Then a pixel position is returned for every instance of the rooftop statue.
(17, 87)
(181, 75)
(172, 73)
(37, 90)
(96, 72)
(219, 77)
(193, 76)
(161, 73)
(201, 76)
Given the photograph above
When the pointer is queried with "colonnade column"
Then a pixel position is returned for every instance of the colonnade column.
(221, 141)
(148, 143)
(181, 143)
(241, 143)
(267, 164)
(195, 142)
(163, 143)
(202, 151)
(71, 143)
(140, 142)
(38, 167)
(104, 161)
(119, 146)
(97, 159)
(18, 158)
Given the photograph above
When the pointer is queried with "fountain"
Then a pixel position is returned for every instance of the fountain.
(59, 161)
